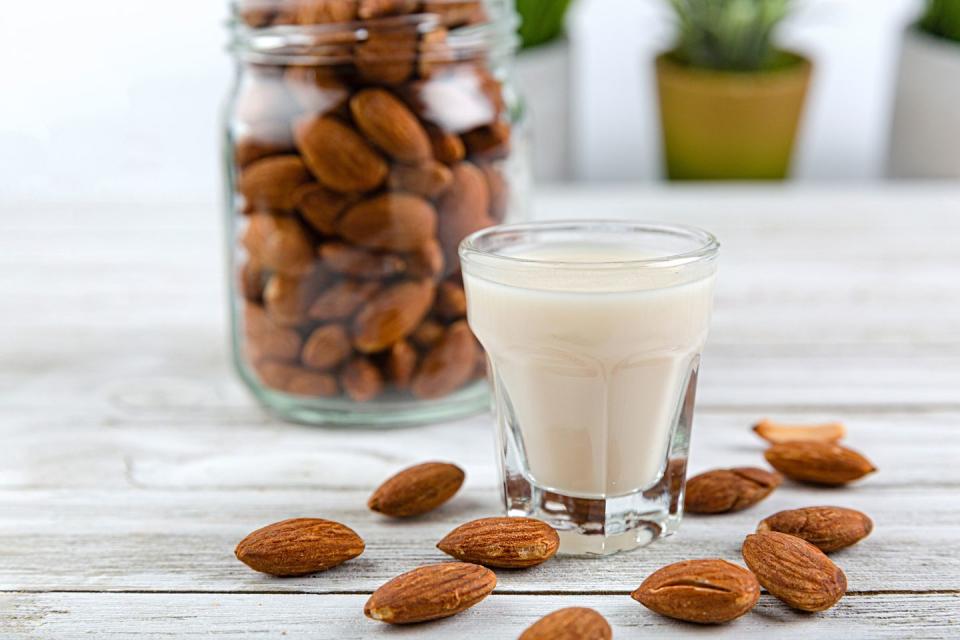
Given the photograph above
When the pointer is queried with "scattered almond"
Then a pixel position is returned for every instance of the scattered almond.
(827, 528)
(704, 591)
(299, 546)
(818, 462)
(725, 490)
(417, 489)
(794, 570)
(430, 592)
(509, 543)
(775, 432)
(572, 623)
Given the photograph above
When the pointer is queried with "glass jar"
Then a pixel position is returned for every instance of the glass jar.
(364, 140)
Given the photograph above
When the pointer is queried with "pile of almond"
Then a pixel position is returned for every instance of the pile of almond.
(362, 153)
(786, 555)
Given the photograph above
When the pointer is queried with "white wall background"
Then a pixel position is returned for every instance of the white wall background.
(119, 100)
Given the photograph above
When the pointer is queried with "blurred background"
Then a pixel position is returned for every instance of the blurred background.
(119, 101)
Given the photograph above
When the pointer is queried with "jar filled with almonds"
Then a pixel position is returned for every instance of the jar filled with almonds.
(364, 140)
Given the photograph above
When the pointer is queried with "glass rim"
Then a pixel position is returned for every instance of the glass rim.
(707, 249)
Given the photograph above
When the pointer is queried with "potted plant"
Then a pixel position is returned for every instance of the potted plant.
(730, 100)
(543, 75)
(925, 136)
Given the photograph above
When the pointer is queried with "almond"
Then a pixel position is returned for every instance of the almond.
(285, 298)
(390, 125)
(818, 462)
(379, 8)
(489, 142)
(388, 55)
(391, 221)
(451, 301)
(341, 299)
(299, 546)
(361, 380)
(703, 591)
(252, 279)
(426, 261)
(775, 433)
(427, 334)
(430, 592)
(455, 13)
(429, 179)
(312, 383)
(338, 156)
(509, 543)
(266, 339)
(724, 490)
(572, 623)
(794, 570)
(326, 347)
(392, 314)
(435, 52)
(462, 209)
(448, 365)
(321, 207)
(325, 11)
(264, 139)
(417, 489)
(278, 243)
(400, 365)
(270, 183)
(827, 528)
(447, 147)
(359, 263)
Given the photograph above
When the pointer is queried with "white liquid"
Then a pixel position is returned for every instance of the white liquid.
(595, 376)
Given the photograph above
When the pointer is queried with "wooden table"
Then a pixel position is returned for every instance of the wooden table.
(132, 460)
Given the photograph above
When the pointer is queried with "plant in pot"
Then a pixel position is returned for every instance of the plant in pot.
(925, 136)
(543, 75)
(730, 100)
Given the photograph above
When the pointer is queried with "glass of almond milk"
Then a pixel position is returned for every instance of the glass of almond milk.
(593, 330)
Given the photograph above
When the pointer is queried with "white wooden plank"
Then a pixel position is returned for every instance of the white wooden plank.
(74, 615)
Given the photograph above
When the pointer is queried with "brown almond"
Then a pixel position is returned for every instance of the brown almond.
(725, 490)
(821, 463)
(326, 347)
(359, 263)
(269, 184)
(361, 380)
(325, 11)
(390, 125)
(710, 591)
(447, 146)
(391, 221)
(417, 489)
(400, 364)
(285, 298)
(279, 243)
(392, 314)
(265, 339)
(312, 383)
(489, 142)
(794, 570)
(827, 528)
(342, 299)
(430, 592)
(299, 546)
(388, 54)
(252, 278)
(427, 334)
(508, 543)
(429, 179)
(379, 8)
(426, 261)
(463, 209)
(451, 301)
(775, 432)
(267, 138)
(455, 13)
(338, 156)
(321, 207)
(572, 623)
(448, 365)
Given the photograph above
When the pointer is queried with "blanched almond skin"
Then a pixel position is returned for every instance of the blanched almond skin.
(417, 490)
(299, 546)
(727, 490)
(774, 432)
(390, 125)
(430, 592)
(572, 623)
(820, 463)
(794, 571)
(708, 591)
(507, 543)
(827, 528)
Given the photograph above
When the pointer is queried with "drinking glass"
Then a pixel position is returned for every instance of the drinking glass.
(593, 330)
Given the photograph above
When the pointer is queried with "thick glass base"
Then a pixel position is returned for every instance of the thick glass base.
(341, 412)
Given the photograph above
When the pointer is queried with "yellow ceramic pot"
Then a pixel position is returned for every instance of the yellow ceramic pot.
(729, 125)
